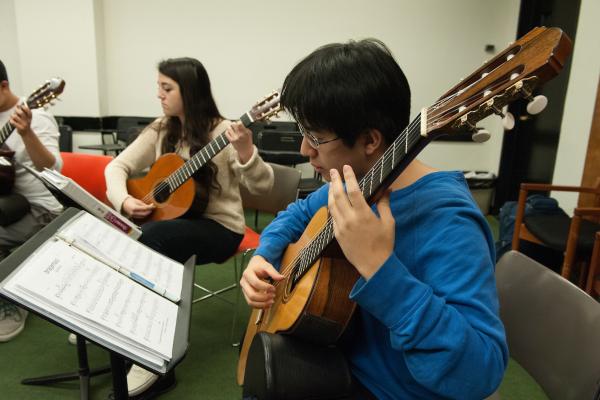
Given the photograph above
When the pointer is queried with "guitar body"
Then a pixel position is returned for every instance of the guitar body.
(317, 308)
(171, 205)
(169, 183)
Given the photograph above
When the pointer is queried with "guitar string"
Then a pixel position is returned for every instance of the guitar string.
(262, 115)
(178, 176)
(179, 171)
(440, 115)
(291, 267)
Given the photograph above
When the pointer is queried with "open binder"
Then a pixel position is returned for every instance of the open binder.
(78, 291)
(69, 193)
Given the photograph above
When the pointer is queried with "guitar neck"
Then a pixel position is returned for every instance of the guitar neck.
(202, 157)
(381, 175)
(5, 132)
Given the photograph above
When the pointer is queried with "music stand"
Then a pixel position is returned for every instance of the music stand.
(11, 264)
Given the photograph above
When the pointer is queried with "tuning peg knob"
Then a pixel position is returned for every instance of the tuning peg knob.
(480, 135)
(508, 121)
(537, 104)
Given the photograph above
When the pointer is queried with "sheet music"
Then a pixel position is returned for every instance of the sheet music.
(83, 289)
(120, 249)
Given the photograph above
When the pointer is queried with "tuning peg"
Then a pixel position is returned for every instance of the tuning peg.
(480, 135)
(536, 104)
(508, 121)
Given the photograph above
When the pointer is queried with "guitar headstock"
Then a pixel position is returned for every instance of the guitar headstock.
(49, 91)
(515, 73)
(266, 108)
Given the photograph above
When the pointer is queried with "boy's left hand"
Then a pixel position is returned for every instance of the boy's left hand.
(366, 240)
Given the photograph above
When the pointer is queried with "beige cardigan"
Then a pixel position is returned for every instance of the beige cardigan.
(224, 207)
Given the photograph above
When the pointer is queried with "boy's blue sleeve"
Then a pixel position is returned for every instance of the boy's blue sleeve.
(289, 225)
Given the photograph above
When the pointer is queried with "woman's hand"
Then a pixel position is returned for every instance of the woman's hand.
(240, 138)
(136, 208)
(366, 240)
(257, 291)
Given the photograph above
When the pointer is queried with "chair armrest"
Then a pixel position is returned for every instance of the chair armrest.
(587, 211)
(543, 187)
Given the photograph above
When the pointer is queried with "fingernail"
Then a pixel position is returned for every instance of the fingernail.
(332, 172)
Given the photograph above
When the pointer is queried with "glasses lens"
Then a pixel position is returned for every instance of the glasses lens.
(312, 141)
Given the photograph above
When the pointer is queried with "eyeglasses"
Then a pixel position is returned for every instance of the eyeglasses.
(312, 140)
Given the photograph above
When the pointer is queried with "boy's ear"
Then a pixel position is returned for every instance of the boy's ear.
(373, 141)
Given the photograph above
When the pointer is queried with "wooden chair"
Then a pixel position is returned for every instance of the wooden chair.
(574, 237)
(592, 286)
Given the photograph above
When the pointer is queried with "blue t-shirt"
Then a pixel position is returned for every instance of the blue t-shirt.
(428, 325)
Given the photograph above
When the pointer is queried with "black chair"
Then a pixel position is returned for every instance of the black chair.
(283, 367)
(127, 130)
(13, 207)
(65, 141)
(552, 328)
(574, 237)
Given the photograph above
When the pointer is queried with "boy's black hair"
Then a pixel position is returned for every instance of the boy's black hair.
(349, 88)
(3, 74)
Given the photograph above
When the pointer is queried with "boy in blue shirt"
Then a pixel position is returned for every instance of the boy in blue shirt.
(427, 323)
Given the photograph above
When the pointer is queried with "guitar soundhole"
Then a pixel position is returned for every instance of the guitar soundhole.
(161, 192)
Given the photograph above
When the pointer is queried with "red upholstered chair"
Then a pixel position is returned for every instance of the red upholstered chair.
(88, 171)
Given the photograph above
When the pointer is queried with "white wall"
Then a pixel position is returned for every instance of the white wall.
(9, 49)
(57, 38)
(107, 50)
(579, 105)
(249, 47)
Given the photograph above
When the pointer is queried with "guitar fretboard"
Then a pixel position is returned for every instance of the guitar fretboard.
(5, 132)
(203, 156)
(396, 157)
(197, 161)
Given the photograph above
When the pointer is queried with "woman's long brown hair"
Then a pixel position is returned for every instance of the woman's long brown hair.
(201, 116)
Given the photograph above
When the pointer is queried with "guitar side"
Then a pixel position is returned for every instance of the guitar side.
(177, 203)
(317, 308)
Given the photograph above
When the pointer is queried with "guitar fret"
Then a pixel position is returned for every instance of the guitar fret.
(6, 131)
(195, 162)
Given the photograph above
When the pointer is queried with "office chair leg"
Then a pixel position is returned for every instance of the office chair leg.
(237, 300)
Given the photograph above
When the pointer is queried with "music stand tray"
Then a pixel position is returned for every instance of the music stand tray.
(11, 265)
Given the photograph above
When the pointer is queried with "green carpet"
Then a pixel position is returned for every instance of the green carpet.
(208, 370)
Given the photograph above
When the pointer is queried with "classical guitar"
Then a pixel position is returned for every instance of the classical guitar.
(49, 91)
(312, 301)
(168, 184)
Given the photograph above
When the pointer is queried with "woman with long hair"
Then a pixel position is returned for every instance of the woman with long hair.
(214, 226)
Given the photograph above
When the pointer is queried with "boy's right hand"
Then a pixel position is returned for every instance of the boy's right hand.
(257, 291)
